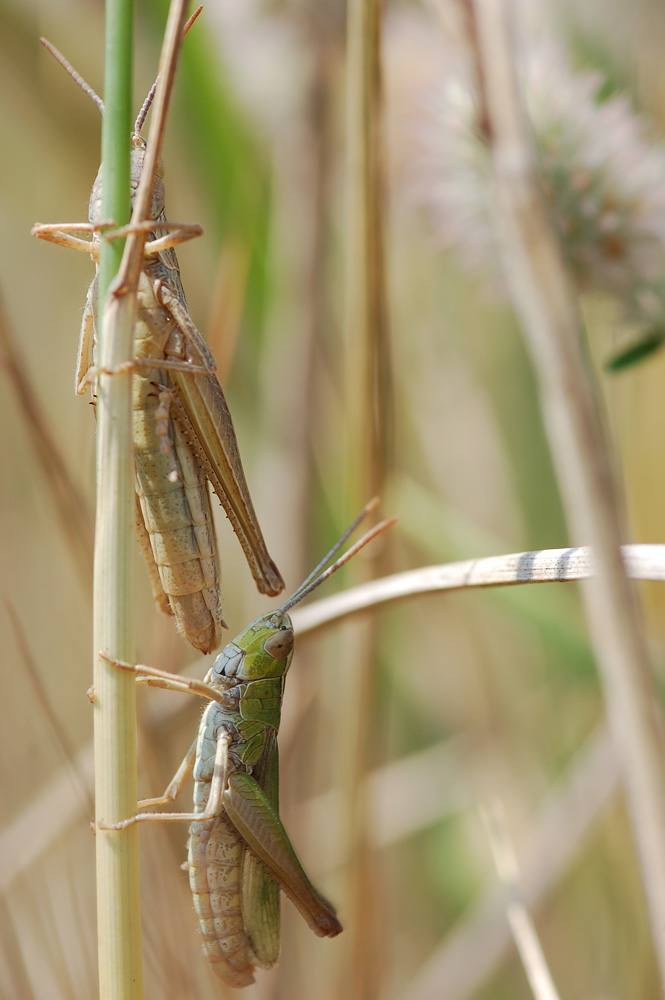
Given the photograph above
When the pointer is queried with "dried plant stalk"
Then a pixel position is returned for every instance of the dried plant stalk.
(551, 323)
(519, 918)
(367, 435)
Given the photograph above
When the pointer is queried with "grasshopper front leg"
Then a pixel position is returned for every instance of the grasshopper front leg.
(171, 682)
(175, 233)
(257, 821)
(58, 233)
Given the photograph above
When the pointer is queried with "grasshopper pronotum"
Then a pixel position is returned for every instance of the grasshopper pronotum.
(239, 853)
(183, 432)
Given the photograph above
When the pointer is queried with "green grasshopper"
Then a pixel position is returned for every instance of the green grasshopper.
(239, 853)
(183, 432)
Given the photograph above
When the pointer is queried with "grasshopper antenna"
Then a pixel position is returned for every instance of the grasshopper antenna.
(87, 89)
(76, 77)
(367, 509)
(143, 113)
(313, 580)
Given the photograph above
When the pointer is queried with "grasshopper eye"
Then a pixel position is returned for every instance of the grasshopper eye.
(229, 660)
(279, 644)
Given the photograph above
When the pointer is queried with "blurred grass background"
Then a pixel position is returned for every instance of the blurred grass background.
(501, 685)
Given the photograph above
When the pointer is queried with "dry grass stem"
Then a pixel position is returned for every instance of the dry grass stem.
(521, 924)
(368, 382)
(474, 950)
(551, 323)
(132, 261)
(367, 432)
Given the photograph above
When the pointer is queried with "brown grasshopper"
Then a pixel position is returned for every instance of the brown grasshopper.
(183, 432)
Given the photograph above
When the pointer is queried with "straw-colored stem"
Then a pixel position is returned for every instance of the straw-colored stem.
(519, 918)
(368, 366)
(367, 434)
(552, 327)
(118, 909)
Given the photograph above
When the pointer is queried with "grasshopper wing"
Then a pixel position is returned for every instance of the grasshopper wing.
(257, 822)
(260, 892)
(202, 412)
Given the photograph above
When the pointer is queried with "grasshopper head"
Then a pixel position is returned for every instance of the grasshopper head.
(263, 649)
(138, 142)
(135, 170)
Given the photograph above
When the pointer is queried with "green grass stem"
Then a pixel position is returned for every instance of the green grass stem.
(118, 907)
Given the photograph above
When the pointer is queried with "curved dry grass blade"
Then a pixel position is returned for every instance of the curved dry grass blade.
(643, 562)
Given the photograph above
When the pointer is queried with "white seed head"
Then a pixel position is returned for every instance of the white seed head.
(603, 176)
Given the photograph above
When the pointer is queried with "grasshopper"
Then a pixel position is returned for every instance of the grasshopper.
(239, 854)
(183, 432)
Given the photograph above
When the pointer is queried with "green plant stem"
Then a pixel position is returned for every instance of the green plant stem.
(116, 130)
(118, 909)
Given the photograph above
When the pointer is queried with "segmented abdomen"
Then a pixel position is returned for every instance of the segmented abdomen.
(176, 508)
(215, 855)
